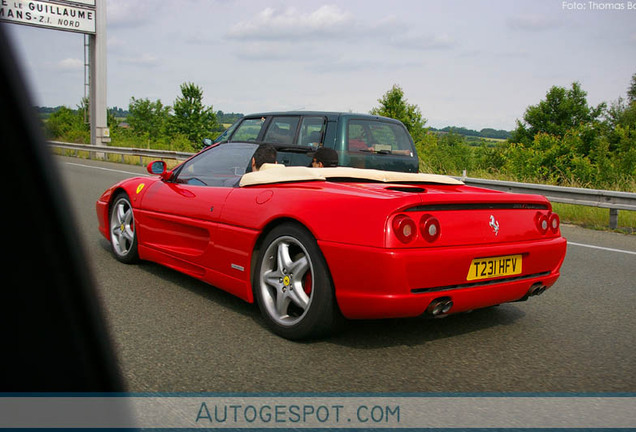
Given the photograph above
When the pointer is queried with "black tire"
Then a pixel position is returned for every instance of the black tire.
(292, 285)
(123, 233)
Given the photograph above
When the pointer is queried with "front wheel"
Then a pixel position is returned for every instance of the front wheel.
(123, 236)
(293, 286)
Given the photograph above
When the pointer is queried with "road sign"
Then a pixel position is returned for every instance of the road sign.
(59, 16)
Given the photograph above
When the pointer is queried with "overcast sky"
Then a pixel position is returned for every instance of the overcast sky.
(472, 63)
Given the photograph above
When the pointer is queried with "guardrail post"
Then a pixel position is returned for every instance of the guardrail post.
(613, 223)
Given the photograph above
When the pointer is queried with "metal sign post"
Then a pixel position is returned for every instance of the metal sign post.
(80, 16)
(100, 134)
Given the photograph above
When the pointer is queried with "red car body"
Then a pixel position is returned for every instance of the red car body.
(395, 247)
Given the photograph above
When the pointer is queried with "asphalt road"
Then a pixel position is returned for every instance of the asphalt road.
(173, 333)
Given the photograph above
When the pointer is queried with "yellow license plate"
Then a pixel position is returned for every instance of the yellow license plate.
(485, 268)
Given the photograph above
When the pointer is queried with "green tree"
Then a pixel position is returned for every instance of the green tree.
(66, 124)
(631, 92)
(621, 132)
(191, 118)
(562, 110)
(446, 153)
(147, 118)
(623, 112)
(394, 105)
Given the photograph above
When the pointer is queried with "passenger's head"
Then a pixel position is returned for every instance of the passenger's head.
(325, 157)
(265, 153)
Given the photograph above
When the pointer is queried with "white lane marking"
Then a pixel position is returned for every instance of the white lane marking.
(107, 169)
(601, 248)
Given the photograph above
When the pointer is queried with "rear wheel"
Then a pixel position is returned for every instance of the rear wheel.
(123, 236)
(293, 286)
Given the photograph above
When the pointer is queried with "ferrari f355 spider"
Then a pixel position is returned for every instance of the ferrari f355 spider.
(313, 245)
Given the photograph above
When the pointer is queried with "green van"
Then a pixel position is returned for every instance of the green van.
(361, 140)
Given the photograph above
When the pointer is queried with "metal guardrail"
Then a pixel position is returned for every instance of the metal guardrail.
(123, 151)
(612, 200)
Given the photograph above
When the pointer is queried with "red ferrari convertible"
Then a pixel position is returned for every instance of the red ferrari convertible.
(311, 245)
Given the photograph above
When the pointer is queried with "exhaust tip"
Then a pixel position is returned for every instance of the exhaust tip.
(536, 289)
(447, 306)
(439, 307)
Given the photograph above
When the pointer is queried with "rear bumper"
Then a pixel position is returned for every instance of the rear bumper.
(391, 283)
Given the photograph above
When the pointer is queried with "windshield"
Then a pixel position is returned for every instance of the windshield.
(222, 165)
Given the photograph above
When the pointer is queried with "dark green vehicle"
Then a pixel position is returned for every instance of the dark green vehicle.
(361, 140)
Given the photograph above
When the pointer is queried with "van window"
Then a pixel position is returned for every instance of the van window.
(248, 130)
(378, 137)
(282, 130)
(312, 131)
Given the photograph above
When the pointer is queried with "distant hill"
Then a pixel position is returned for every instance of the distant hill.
(229, 118)
(45, 112)
(484, 133)
(121, 113)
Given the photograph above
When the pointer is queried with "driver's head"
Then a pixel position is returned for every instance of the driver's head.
(265, 153)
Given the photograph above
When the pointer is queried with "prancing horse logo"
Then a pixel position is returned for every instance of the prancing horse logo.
(494, 225)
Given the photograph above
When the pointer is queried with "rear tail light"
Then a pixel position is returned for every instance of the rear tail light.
(430, 228)
(542, 223)
(404, 228)
(548, 222)
(554, 221)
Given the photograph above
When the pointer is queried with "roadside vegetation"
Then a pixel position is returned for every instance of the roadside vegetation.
(562, 140)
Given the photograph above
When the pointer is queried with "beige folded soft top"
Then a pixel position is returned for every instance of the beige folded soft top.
(276, 173)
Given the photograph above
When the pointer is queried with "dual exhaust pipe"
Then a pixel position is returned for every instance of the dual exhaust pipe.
(536, 289)
(442, 306)
(439, 307)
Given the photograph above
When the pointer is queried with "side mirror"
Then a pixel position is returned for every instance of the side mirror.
(207, 142)
(157, 167)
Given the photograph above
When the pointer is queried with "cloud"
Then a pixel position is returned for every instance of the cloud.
(272, 24)
(533, 23)
(145, 60)
(116, 43)
(69, 64)
(274, 35)
(258, 51)
(126, 13)
(423, 42)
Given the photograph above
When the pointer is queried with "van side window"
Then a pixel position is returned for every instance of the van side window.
(248, 130)
(282, 130)
(312, 131)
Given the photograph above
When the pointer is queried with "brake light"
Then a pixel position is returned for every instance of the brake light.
(554, 222)
(542, 223)
(430, 228)
(404, 228)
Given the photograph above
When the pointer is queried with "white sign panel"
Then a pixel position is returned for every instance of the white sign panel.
(51, 15)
